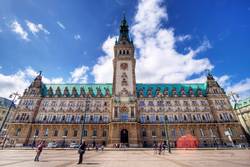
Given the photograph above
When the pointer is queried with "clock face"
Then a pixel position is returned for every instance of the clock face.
(124, 66)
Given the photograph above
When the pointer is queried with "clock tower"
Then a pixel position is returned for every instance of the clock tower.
(124, 126)
(124, 64)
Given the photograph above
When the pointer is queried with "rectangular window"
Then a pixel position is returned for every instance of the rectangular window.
(75, 133)
(161, 118)
(132, 112)
(85, 132)
(94, 132)
(143, 118)
(104, 134)
(182, 131)
(105, 118)
(46, 132)
(36, 132)
(124, 117)
(153, 133)
(152, 118)
(163, 133)
(116, 112)
(65, 133)
(55, 133)
(173, 133)
(96, 118)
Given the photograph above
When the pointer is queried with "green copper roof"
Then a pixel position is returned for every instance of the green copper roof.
(170, 87)
(243, 103)
(139, 86)
(78, 88)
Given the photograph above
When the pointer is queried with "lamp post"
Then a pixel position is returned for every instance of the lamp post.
(84, 118)
(232, 94)
(166, 129)
(14, 95)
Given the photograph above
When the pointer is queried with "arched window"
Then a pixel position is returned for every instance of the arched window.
(127, 52)
(194, 118)
(203, 118)
(185, 117)
(124, 52)
(120, 52)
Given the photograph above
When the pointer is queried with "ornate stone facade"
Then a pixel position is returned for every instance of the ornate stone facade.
(124, 111)
(243, 113)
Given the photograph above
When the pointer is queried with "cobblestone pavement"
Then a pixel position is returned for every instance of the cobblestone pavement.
(146, 158)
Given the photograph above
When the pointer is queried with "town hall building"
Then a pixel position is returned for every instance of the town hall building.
(137, 114)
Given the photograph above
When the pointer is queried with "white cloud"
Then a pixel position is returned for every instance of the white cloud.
(61, 25)
(20, 80)
(79, 75)
(183, 38)
(77, 37)
(157, 59)
(242, 88)
(36, 28)
(18, 29)
(103, 70)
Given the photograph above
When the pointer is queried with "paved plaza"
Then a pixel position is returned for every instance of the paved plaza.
(143, 158)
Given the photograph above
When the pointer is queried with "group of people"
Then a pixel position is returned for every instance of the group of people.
(159, 148)
(81, 151)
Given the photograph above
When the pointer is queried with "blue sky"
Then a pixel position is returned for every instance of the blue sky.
(71, 41)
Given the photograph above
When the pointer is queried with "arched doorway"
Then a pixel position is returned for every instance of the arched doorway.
(124, 136)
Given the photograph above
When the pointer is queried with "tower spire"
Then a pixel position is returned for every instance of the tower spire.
(124, 30)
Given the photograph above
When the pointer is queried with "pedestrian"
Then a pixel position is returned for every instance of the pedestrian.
(96, 147)
(160, 148)
(81, 151)
(39, 150)
(102, 147)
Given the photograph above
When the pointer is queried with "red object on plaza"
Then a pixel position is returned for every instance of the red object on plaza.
(187, 141)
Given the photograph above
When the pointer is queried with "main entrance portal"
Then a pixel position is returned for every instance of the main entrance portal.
(124, 136)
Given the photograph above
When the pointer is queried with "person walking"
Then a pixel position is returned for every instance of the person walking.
(81, 151)
(160, 148)
(39, 150)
